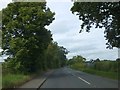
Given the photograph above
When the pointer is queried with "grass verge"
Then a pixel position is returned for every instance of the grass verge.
(111, 75)
(14, 80)
(11, 80)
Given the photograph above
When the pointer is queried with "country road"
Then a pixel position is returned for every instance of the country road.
(68, 78)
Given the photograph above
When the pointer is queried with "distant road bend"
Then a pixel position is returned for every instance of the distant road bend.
(69, 78)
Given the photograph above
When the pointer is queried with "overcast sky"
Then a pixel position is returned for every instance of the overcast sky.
(65, 29)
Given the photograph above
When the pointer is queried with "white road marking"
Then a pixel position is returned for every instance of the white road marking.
(84, 80)
(79, 77)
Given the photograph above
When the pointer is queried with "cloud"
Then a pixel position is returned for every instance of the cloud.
(3, 3)
(65, 31)
(0, 50)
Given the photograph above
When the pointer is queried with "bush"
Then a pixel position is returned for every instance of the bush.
(106, 66)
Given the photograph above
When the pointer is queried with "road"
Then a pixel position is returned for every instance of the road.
(69, 78)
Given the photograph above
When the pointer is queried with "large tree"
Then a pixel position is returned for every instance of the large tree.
(100, 14)
(25, 37)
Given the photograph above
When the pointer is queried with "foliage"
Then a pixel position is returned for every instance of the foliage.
(76, 59)
(79, 66)
(109, 74)
(56, 55)
(106, 65)
(100, 14)
(105, 68)
(25, 37)
(28, 43)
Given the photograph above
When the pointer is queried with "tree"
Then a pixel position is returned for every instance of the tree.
(77, 62)
(97, 60)
(56, 55)
(100, 14)
(77, 59)
(25, 37)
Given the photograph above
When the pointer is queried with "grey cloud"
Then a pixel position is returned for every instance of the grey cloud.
(3, 3)
(65, 29)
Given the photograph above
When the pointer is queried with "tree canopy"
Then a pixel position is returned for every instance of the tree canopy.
(26, 40)
(25, 37)
(100, 14)
(76, 59)
(56, 55)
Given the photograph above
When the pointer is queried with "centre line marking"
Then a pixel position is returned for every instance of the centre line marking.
(84, 80)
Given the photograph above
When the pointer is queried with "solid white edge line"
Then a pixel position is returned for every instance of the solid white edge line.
(84, 80)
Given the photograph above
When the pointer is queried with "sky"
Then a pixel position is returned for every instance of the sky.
(65, 29)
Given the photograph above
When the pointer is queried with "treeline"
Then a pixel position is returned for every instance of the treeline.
(105, 65)
(53, 57)
(56, 55)
(26, 40)
(78, 62)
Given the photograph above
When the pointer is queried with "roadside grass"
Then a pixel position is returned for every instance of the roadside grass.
(14, 80)
(108, 74)
(11, 80)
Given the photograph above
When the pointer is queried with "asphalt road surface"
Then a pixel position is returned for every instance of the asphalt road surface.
(69, 78)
